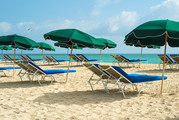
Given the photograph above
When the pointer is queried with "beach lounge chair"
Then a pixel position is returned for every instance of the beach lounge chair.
(117, 59)
(168, 61)
(52, 59)
(22, 58)
(8, 58)
(5, 59)
(85, 59)
(104, 77)
(76, 59)
(123, 79)
(47, 59)
(2, 69)
(175, 57)
(28, 58)
(128, 61)
(36, 71)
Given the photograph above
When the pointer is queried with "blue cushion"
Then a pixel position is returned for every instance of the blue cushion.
(55, 71)
(9, 68)
(137, 60)
(137, 78)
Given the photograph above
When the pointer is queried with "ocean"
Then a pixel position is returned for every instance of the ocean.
(106, 58)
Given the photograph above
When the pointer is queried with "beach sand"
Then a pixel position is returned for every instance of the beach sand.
(22, 100)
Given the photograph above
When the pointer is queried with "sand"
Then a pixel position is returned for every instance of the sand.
(24, 100)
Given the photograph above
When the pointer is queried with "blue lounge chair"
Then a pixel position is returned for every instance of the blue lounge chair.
(55, 60)
(28, 58)
(123, 79)
(168, 61)
(104, 77)
(175, 57)
(76, 59)
(85, 59)
(36, 71)
(22, 58)
(2, 69)
(8, 58)
(47, 59)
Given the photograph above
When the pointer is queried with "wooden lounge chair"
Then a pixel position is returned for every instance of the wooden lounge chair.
(123, 79)
(168, 61)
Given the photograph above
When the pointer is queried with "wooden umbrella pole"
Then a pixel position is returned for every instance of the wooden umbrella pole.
(14, 59)
(164, 63)
(42, 55)
(67, 54)
(100, 56)
(21, 52)
(2, 52)
(141, 55)
(69, 62)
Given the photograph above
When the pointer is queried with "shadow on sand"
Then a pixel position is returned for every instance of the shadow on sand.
(22, 84)
(83, 97)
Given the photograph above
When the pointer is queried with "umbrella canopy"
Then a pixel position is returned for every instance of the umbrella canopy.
(45, 46)
(5, 47)
(158, 32)
(153, 33)
(75, 36)
(108, 43)
(22, 48)
(17, 40)
(72, 37)
(64, 45)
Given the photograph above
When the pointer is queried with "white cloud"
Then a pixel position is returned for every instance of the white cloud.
(98, 6)
(168, 4)
(5, 27)
(26, 25)
(125, 19)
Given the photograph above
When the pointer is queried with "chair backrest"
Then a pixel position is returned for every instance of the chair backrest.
(117, 57)
(167, 60)
(27, 57)
(175, 58)
(97, 71)
(23, 66)
(117, 73)
(46, 58)
(52, 58)
(82, 57)
(22, 58)
(123, 59)
(8, 57)
(33, 67)
(74, 57)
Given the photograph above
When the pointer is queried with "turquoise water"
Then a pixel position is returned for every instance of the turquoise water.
(152, 58)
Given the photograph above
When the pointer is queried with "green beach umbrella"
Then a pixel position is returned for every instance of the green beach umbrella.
(45, 46)
(108, 44)
(5, 47)
(17, 40)
(159, 33)
(72, 37)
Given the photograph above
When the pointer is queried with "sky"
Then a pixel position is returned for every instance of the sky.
(110, 19)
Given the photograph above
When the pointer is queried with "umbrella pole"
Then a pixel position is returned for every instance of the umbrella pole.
(42, 55)
(2, 52)
(14, 60)
(69, 62)
(67, 54)
(164, 63)
(21, 52)
(141, 55)
(100, 56)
